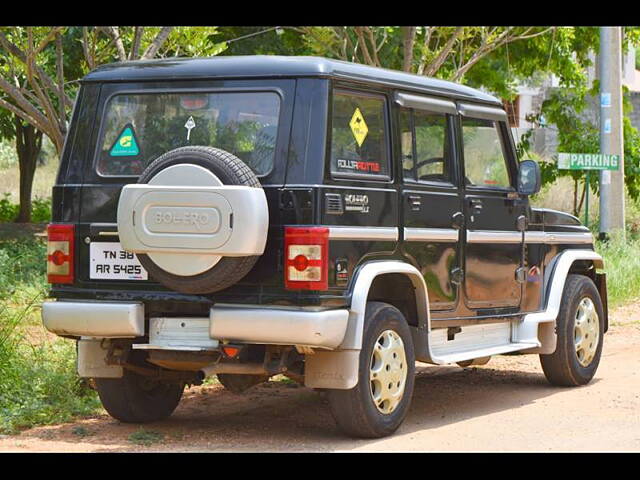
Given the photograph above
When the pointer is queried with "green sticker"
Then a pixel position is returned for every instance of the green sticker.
(126, 145)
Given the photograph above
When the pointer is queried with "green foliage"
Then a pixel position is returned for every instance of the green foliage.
(564, 108)
(40, 209)
(8, 157)
(22, 270)
(622, 264)
(39, 384)
(81, 431)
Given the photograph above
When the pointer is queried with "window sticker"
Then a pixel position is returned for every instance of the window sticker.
(126, 145)
(190, 125)
(359, 127)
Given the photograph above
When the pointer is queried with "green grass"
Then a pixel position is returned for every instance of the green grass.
(622, 265)
(38, 380)
(145, 437)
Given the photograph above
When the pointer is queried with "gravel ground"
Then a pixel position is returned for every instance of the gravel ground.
(506, 405)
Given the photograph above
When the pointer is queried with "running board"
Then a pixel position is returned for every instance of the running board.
(444, 358)
(451, 345)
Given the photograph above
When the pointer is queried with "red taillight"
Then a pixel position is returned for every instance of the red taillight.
(60, 250)
(306, 263)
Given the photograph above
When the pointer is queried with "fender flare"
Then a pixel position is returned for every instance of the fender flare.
(557, 271)
(338, 369)
(360, 291)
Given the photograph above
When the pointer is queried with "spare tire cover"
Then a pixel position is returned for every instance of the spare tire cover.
(201, 167)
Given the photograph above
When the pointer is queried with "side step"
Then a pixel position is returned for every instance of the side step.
(474, 341)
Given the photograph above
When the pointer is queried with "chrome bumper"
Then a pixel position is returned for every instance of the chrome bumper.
(278, 326)
(94, 319)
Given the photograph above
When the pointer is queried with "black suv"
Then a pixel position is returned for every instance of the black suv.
(332, 222)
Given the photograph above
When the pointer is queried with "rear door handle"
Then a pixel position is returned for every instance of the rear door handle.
(476, 206)
(415, 202)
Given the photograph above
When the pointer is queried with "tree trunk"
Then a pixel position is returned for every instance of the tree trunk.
(28, 146)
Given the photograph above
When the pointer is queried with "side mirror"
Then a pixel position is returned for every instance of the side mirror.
(528, 177)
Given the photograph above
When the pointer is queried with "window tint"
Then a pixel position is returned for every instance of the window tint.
(425, 146)
(358, 135)
(139, 128)
(484, 161)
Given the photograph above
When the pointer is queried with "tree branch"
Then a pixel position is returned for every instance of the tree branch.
(137, 40)
(408, 39)
(444, 52)
(39, 121)
(85, 49)
(20, 55)
(363, 46)
(60, 72)
(115, 34)
(153, 48)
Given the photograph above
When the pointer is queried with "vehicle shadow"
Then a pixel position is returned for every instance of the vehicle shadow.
(279, 416)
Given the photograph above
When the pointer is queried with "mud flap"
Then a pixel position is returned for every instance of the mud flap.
(91, 360)
(335, 370)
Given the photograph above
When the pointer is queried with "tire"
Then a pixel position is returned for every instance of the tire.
(237, 383)
(138, 399)
(231, 171)
(577, 354)
(355, 410)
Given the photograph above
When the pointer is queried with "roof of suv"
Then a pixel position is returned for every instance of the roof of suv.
(278, 66)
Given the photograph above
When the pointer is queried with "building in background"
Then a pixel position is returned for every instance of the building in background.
(544, 141)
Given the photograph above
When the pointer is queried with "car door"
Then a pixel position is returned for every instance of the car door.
(492, 207)
(431, 204)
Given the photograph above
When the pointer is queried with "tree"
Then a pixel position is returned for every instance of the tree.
(445, 52)
(40, 67)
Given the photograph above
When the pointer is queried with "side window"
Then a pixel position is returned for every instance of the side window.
(358, 135)
(484, 159)
(425, 145)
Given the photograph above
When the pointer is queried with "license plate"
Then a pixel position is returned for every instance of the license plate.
(110, 262)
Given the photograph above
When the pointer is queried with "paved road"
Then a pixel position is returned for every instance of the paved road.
(505, 405)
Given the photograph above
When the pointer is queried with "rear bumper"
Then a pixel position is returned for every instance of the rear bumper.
(323, 329)
(237, 323)
(94, 319)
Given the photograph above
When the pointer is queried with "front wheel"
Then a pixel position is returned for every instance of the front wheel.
(379, 402)
(580, 331)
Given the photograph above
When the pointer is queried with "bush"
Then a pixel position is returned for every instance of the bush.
(622, 265)
(23, 270)
(39, 384)
(40, 209)
(38, 381)
(8, 209)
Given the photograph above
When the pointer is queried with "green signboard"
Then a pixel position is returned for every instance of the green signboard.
(588, 161)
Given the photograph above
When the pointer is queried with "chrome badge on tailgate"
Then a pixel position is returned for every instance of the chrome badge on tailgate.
(110, 262)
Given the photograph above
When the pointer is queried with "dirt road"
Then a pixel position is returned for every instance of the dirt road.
(505, 405)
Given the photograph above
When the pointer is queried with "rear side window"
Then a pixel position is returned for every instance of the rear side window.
(484, 160)
(140, 127)
(359, 144)
(426, 148)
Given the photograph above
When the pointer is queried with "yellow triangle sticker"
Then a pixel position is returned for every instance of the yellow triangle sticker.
(359, 127)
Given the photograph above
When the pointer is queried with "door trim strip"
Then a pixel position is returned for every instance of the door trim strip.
(501, 236)
(389, 234)
(431, 234)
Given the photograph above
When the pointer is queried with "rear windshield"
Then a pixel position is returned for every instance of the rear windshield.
(140, 127)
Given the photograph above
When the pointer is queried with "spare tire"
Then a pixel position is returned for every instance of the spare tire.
(197, 166)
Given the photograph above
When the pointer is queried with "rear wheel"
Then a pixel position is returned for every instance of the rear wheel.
(378, 404)
(137, 398)
(579, 327)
